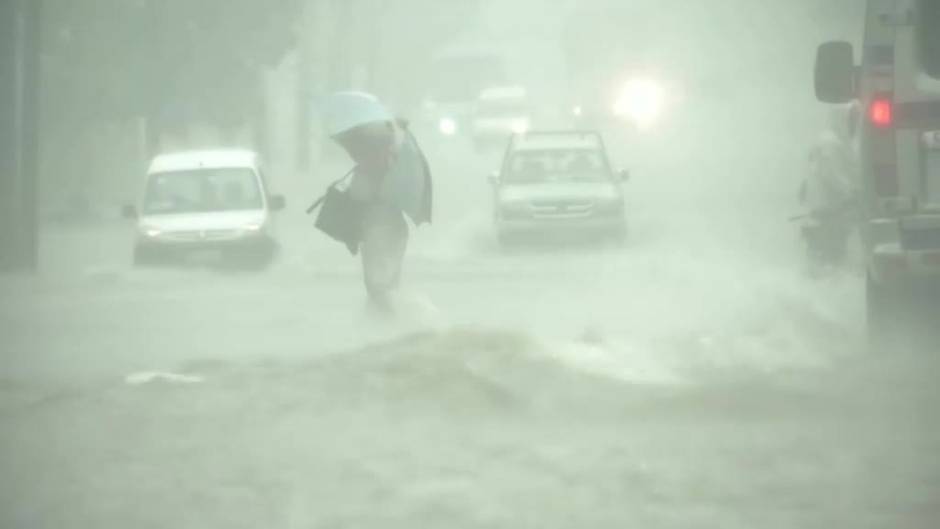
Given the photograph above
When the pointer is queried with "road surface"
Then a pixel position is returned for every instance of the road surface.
(696, 377)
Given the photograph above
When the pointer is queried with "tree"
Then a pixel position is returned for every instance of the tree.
(171, 61)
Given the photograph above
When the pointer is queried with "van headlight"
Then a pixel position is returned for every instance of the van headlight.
(253, 229)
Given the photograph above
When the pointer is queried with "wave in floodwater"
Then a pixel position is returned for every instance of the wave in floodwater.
(663, 308)
(499, 370)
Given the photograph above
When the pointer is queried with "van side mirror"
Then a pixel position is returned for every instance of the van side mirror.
(129, 212)
(276, 202)
(835, 72)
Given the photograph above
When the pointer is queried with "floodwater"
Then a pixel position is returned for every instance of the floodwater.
(694, 377)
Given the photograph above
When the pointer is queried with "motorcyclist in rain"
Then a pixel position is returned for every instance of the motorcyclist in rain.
(829, 191)
(391, 179)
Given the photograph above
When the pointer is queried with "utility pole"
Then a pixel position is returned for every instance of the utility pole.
(305, 83)
(321, 61)
(19, 133)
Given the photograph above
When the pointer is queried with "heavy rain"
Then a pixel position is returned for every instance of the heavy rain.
(469, 263)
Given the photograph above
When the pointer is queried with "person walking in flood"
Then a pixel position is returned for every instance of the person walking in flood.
(829, 192)
(390, 181)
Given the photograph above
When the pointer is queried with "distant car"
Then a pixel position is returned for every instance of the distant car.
(557, 183)
(499, 113)
(205, 206)
(457, 77)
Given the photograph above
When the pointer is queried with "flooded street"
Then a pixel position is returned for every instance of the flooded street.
(710, 331)
(546, 386)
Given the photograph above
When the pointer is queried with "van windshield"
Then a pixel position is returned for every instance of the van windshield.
(202, 190)
(461, 79)
(928, 29)
(502, 108)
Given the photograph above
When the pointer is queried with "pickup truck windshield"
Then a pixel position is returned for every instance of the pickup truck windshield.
(557, 165)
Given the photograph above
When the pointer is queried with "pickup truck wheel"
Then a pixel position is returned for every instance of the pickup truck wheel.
(144, 258)
(897, 317)
(887, 317)
(506, 241)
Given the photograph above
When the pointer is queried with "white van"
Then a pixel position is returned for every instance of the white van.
(499, 113)
(456, 78)
(205, 206)
(898, 86)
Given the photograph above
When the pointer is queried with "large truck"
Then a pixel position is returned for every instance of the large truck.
(897, 83)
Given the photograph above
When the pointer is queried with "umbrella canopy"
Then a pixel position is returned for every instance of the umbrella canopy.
(407, 185)
(344, 111)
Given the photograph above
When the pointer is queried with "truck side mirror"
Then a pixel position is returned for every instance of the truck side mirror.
(835, 72)
(129, 212)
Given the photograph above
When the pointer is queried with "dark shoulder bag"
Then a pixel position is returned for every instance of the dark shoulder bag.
(340, 216)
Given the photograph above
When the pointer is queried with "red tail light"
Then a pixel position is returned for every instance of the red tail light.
(882, 148)
(881, 112)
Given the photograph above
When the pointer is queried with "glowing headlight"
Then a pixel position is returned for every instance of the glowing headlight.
(640, 101)
(150, 231)
(577, 111)
(520, 126)
(447, 126)
(252, 227)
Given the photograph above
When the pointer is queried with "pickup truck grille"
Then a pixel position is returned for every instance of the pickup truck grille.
(562, 208)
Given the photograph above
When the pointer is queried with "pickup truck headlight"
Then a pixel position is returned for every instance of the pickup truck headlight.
(149, 231)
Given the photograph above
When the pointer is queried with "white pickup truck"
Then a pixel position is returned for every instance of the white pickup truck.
(558, 184)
